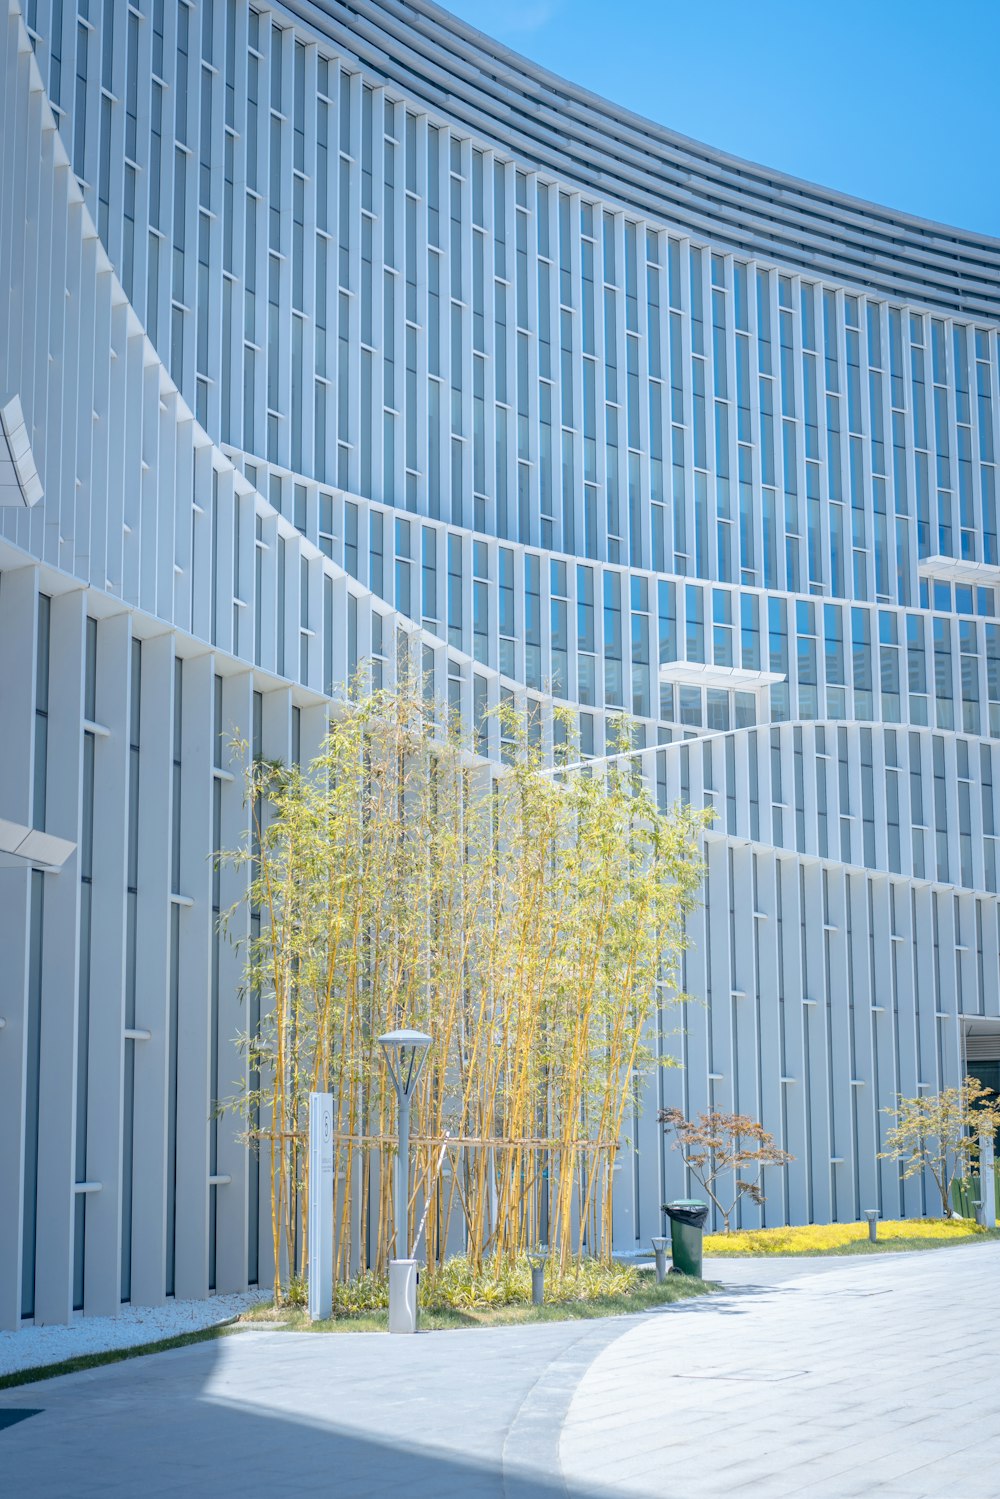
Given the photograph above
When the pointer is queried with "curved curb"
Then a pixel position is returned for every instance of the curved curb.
(529, 1462)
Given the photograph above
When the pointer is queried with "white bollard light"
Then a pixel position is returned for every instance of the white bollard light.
(402, 1295)
(536, 1259)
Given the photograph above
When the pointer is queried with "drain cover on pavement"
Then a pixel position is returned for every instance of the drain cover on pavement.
(771, 1375)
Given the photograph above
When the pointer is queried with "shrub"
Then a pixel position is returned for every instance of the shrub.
(367, 1292)
(296, 1293)
(457, 1285)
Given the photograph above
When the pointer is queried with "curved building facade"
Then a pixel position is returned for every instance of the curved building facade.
(339, 333)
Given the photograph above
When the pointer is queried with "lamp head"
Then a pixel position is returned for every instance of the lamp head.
(405, 1051)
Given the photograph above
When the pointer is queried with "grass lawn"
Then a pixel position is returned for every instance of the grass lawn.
(644, 1295)
(849, 1238)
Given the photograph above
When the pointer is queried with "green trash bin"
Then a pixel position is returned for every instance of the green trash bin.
(687, 1219)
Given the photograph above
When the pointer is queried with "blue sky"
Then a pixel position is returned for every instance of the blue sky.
(897, 101)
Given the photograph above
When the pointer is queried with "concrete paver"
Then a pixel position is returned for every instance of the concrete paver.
(843, 1378)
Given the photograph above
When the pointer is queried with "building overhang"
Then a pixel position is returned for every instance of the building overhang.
(731, 678)
(20, 485)
(21, 846)
(955, 570)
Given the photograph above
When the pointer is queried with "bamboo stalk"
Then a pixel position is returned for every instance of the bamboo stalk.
(525, 926)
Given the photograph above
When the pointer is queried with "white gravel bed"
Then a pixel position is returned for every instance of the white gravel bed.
(30, 1347)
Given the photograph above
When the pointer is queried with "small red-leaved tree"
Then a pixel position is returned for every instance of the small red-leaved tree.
(715, 1145)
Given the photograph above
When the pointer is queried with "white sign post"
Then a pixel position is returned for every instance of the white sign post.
(320, 1205)
(987, 1181)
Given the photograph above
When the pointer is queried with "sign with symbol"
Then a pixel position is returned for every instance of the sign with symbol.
(326, 1135)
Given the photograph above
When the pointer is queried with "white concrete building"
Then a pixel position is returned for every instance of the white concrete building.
(329, 331)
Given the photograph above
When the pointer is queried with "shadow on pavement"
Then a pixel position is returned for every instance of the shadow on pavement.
(718, 1302)
(220, 1421)
(463, 1415)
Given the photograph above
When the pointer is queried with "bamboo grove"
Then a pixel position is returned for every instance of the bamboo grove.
(531, 921)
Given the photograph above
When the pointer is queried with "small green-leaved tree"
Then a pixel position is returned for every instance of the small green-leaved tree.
(940, 1133)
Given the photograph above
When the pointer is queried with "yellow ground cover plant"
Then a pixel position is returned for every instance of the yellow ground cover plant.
(815, 1238)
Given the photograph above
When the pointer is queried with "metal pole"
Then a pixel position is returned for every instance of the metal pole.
(537, 1285)
(872, 1215)
(403, 1178)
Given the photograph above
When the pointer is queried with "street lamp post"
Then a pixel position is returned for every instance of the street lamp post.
(405, 1051)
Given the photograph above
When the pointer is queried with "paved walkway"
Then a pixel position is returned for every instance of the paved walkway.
(832, 1379)
(878, 1377)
